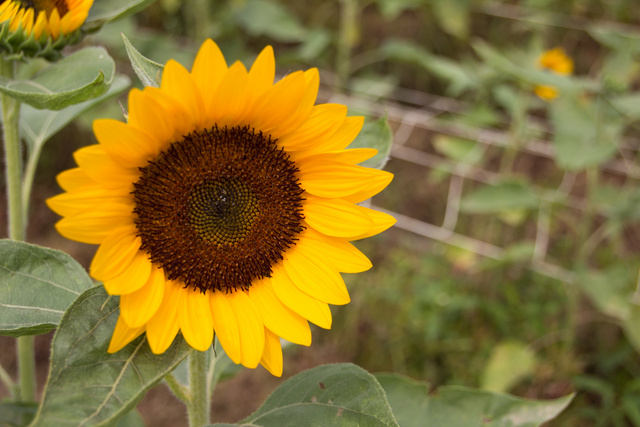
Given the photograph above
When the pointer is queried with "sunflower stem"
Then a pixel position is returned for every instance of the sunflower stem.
(178, 389)
(348, 36)
(17, 223)
(198, 404)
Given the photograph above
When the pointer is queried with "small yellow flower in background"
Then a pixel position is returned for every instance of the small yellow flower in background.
(227, 204)
(39, 27)
(556, 61)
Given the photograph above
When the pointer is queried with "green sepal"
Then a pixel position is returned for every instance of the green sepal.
(149, 72)
(17, 46)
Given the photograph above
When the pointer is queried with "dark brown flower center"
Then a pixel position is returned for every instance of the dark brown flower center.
(219, 208)
(45, 5)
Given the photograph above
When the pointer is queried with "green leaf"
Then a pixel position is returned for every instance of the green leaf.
(37, 126)
(131, 419)
(88, 386)
(37, 285)
(104, 11)
(504, 197)
(586, 132)
(391, 9)
(149, 72)
(509, 363)
(453, 17)
(628, 104)
(441, 67)
(457, 149)
(83, 75)
(271, 19)
(329, 395)
(455, 406)
(609, 289)
(376, 134)
(17, 414)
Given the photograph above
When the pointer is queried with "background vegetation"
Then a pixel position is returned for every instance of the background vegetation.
(514, 263)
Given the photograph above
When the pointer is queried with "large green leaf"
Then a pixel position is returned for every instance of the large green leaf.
(503, 197)
(453, 16)
(271, 19)
(509, 363)
(16, 414)
(586, 132)
(88, 386)
(329, 395)
(38, 126)
(37, 285)
(376, 134)
(444, 68)
(83, 75)
(609, 289)
(104, 11)
(455, 406)
(149, 72)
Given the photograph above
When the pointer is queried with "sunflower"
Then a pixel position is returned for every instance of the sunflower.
(556, 61)
(41, 27)
(225, 204)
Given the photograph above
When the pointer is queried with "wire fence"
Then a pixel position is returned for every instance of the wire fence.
(416, 115)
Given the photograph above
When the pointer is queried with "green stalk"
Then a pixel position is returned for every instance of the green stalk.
(198, 404)
(13, 155)
(347, 39)
(516, 131)
(17, 223)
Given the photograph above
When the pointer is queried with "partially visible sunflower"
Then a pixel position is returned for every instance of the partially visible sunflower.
(41, 27)
(225, 204)
(556, 61)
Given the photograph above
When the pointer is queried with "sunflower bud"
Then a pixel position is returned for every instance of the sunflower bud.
(40, 28)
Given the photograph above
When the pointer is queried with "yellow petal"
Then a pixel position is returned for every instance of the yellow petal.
(312, 276)
(335, 217)
(228, 105)
(87, 198)
(180, 121)
(323, 121)
(54, 23)
(381, 221)
(335, 251)
(278, 103)
(94, 225)
(310, 308)
(194, 316)
(132, 278)
(276, 316)
(73, 179)
(339, 180)
(345, 135)
(138, 307)
(123, 335)
(125, 144)
(147, 115)
(262, 73)
(272, 355)
(226, 325)
(163, 326)
(178, 83)
(305, 106)
(96, 163)
(208, 70)
(115, 253)
(250, 326)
